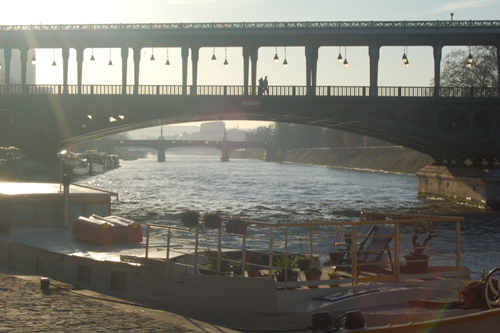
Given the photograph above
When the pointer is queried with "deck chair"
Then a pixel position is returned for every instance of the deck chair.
(375, 244)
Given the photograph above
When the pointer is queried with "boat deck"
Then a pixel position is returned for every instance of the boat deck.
(62, 242)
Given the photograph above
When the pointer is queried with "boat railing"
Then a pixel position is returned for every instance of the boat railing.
(269, 250)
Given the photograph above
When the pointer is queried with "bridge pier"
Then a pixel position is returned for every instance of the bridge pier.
(437, 68)
(224, 155)
(161, 149)
(374, 53)
(475, 186)
(161, 155)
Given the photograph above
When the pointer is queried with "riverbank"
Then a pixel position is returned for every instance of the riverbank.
(63, 308)
(385, 159)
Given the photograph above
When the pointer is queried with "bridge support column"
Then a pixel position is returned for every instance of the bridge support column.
(437, 68)
(24, 63)
(254, 56)
(311, 67)
(194, 64)
(65, 56)
(270, 153)
(374, 53)
(184, 55)
(161, 154)
(7, 53)
(161, 149)
(246, 65)
(124, 69)
(79, 68)
(224, 154)
(137, 62)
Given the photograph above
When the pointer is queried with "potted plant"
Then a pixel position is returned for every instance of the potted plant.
(416, 261)
(189, 218)
(472, 294)
(212, 220)
(336, 256)
(311, 266)
(235, 225)
(280, 272)
(210, 263)
(334, 275)
(235, 267)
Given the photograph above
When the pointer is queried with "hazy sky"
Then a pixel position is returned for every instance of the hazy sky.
(391, 69)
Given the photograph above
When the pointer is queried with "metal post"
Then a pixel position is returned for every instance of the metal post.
(354, 256)
(168, 251)
(396, 249)
(147, 243)
(219, 250)
(286, 258)
(196, 250)
(66, 181)
(310, 238)
(168, 243)
(458, 249)
(243, 255)
(271, 242)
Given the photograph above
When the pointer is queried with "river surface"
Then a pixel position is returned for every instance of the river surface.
(152, 192)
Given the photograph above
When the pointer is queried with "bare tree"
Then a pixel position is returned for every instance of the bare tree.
(482, 73)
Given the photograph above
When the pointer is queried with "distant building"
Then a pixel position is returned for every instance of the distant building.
(236, 135)
(15, 68)
(212, 131)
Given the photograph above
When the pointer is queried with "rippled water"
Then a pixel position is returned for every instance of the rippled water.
(152, 192)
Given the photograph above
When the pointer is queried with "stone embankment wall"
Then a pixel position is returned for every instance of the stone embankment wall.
(386, 159)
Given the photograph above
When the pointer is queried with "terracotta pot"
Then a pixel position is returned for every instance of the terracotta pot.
(419, 267)
(334, 277)
(470, 299)
(236, 228)
(311, 276)
(254, 274)
(213, 223)
(335, 258)
(189, 222)
(292, 277)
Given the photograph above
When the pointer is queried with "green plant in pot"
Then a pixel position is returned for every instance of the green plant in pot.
(335, 255)
(236, 267)
(334, 275)
(472, 294)
(280, 272)
(236, 225)
(189, 218)
(311, 266)
(212, 220)
(210, 263)
(416, 261)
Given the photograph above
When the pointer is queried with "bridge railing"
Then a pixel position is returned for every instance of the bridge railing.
(406, 91)
(342, 91)
(220, 90)
(484, 92)
(257, 25)
(159, 90)
(232, 90)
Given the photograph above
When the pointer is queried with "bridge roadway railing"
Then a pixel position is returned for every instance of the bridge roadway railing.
(232, 90)
(258, 25)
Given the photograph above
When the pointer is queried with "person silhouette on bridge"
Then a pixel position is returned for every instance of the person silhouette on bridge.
(266, 86)
(261, 86)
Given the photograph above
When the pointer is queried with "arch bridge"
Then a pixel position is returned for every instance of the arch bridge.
(161, 145)
(454, 125)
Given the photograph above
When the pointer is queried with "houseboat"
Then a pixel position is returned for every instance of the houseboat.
(248, 278)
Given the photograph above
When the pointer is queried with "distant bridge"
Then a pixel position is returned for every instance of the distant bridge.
(161, 145)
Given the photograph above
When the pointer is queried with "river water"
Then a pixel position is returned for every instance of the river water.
(152, 192)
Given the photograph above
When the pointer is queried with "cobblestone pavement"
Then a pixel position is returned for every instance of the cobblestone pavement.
(24, 307)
